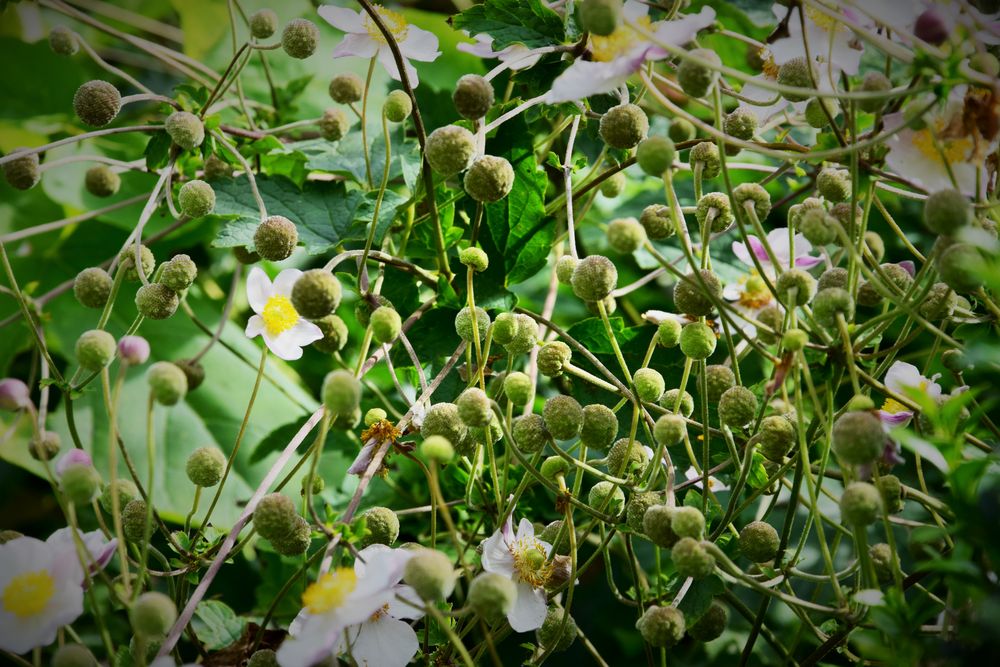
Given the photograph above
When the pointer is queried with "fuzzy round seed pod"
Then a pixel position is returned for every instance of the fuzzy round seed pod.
(599, 17)
(798, 73)
(275, 238)
(167, 382)
(365, 306)
(594, 277)
(817, 109)
(274, 516)
(193, 371)
(92, 287)
(474, 258)
(860, 504)
(800, 281)
(95, 349)
(346, 88)
(134, 520)
(874, 82)
(773, 317)
(607, 497)
(295, 541)
(831, 302)
(152, 615)
(740, 123)
(463, 324)
(316, 294)
(696, 78)
(334, 124)
(185, 129)
(217, 169)
(526, 337)
(565, 268)
(205, 465)
(656, 220)
(263, 23)
(637, 506)
(649, 384)
(530, 433)
(341, 392)
(473, 96)
(63, 41)
(156, 301)
(600, 426)
(383, 526)
(244, 256)
(955, 361)
(334, 334)
(614, 185)
(474, 407)
(753, 192)
(437, 448)
(431, 575)
(73, 655)
(818, 226)
(661, 626)
(858, 438)
(97, 103)
(492, 596)
(962, 268)
(45, 446)
(759, 542)
(626, 457)
(553, 468)
(892, 493)
(657, 523)
(706, 154)
(691, 296)
(900, 281)
(179, 272)
(794, 339)
(127, 492)
(715, 209)
(442, 419)
(609, 304)
(265, 657)
(719, 378)
(505, 328)
(563, 417)
(299, 38)
(712, 623)
(835, 277)
(398, 106)
(450, 149)
(102, 181)
(688, 522)
(550, 534)
(558, 631)
(386, 324)
(624, 126)
(777, 435)
(625, 235)
(698, 341)
(691, 559)
(881, 557)
(517, 387)
(655, 155)
(669, 401)
(834, 185)
(669, 430)
(22, 173)
(680, 130)
(553, 357)
(737, 407)
(931, 27)
(489, 179)
(842, 212)
(947, 211)
(668, 333)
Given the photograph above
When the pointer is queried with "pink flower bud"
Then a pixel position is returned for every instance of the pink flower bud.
(931, 27)
(133, 350)
(14, 394)
(74, 457)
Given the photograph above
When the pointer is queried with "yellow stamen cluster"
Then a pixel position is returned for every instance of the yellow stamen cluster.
(279, 314)
(381, 431)
(531, 562)
(394, 21)
(379, 613)
(330, 591)
(606, 49)
(28, 593)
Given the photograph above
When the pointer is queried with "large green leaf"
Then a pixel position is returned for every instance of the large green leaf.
(347, 157)
(216, 624)
(527, 22)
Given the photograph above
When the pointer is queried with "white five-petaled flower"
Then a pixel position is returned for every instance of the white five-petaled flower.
(832, 44)
(343, 600)
(365, 40)
(903, 379)
(100, 550)
(285, 331)
(524, 559)
(781, 246)
(515, 56)
(714, 485)
(622, 53)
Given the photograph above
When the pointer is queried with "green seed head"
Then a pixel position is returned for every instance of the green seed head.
(858, 438)
(265, 657)
(383, 526)
(668, 333)
(669, 430)
(797, 73)
(696, 78)
(565, 268)
(464, 326)
(755, 194)
(205, 466)
(860, 504)
(492, 596)
(299, 38)
(167, 382)
(334, 332)
(714, 209)
(127, 262)
(73, 655)
(656, 220)
(636, 508)
(386, 324)
(474, 258)
(794, 339)
(558, 631)
(798, 280)
(431, 575)
(217, 169)
(777, 435)
(244, 256)
(62, 41)
(698, 341)
(398, 106)
(759, 542)
(316, 294)
(607, 497)
(737, 407)
(835, 277)
(341, 392)
(97, 103)
(276, 238)
(655, 155)
(530, 433)
(102, 181)
(947, 211)
(881, 556)
(489, 179)
(179, 273)
(527, 336)
(553, 468)
(295, 541)
(474, 407)
(152, 615)
(127, 492)
(691, 559)
(688, 522)
(815, 114)
(694, 297)
(594, 277)
(553, 357)
(563, 417)
(600, 427)
(719, 378)
(473, 96)
(517, 387)
(22, 173)
(599, 17)
(134, 521)
(818, 226)
(625, 458)
(669, 401)
(626, 235)
(443, 419)
(740, 123)
(185, 129)
(614, 185)
(156, 301)
(649, 384)
(962, 267)
(346, 88)
(874, 82)
(95, 349)
(263, 23)
(681, 129)
(624, 126)
(706, 153)
(334, 124)
(450, 149)
(834, 185)
(712, 623)
(437, 448)
(831, 302)
(92, 287)
(892, 493)
(661, 626)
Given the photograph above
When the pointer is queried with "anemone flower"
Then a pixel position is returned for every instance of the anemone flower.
(285, 331)
(903, 379)
(778, 240)
(524, 559)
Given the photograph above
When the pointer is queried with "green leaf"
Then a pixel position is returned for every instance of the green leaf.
(158, 150)
(216, 625)
(347, 157)
(527, 22)
(591, 334)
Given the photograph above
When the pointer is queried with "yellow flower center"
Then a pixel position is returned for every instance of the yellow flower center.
(770, 68)
(28, 593)
(394, 22)
(330, 591)
(893, 407)
(606, 49)
(754, 294)
(938, 150)
(279, 314)
(530, 562)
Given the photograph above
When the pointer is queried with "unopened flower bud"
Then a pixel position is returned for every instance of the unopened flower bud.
(860, 504)
(80, 482)
(474, 258)
(962, 267)
(263, 23)
(817, 109)
(73, 655)
(600, 427)
(442, 419)
(655, 155)
(594, 277)
(274, 516)
(626, 457)
(431, 574)
(834, 185)
(625, 235)
(473, 96)
(299, 38)
(698, 341)
(874, 82)
(489, 179)
(669, 430)
(649, 384)
(264, 657)
(216, 168)
(656, 220)
(92, 287)
(97, 103)
(464, 326)
(398, 106)
(614, 185)
(759, 542)
(63, 41)
(624, 126)
(688, 522)
(798, 280)
(205, 466)
(563, 417)
(383, 526)
(134, 520)
(737, 407)
(492, 596)
(831, 302)
(599, 17)
(14, 395)
(636, 508)
(891, 490)
(661, 626)
(530, 433)
(133, 350)
(669, 401)
(102, 181)
(450, 149)
(755, 193)
(882, 560)
(386, 324)
(45, 446)
(341, 392)
(947, 211)
(437, 448)
(553, 357)
(334, 332)
(178, 273)
(525, 338)
(185, 129)
(156, 301)
(553, 468)
(517, 387)
(127, 492)
(558, 631)
(712, 623)
(95, 349)
(152, 615)
(931, 27)
(167, 382)
(740, 123)
(276, 238)
(715, 210)
(474, 407)
(681, 129)
(346, 88)
(22, 173)
(606, 497)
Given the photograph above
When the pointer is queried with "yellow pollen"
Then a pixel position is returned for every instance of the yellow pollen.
(893, 407)
(330, 591)
(770, 68)
(952, 150)
(379, 613)
(28, 593)
(395, 22)
(279, 315)
(606, 49)
(754, 294)
(824, 21)
(531, 562)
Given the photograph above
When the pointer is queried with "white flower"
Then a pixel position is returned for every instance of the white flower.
(749, 295)
(515, 56)
(365, 40)
(340, 599)
(902, 16)
(284, 330)
(99, 548)
(40, 592)
(622, 53)
(384, 639)
(523, 559)
(658, 316)
(714, 485)
(778, 240)
(904, 379)
(924, 156)
(831, 42)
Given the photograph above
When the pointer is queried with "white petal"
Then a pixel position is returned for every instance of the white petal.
(684, 29)
(529, 609)
(259, 289)
(367, 555)
(314, 642)
(413, 608)
(383, 570)
(342, 18)
(496, 555)
(255, 326)
(386, 642)
(634, 10)
(304, 332)
(359, 45)
(585, 78)
(283, 346)
(420, 45)
(525, 530)
(285, 280)
(389, 63)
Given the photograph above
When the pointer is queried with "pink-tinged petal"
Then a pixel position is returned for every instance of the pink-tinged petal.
(482, 47)
(895, 418)
(361, 46)
(507, 529)
(259, 289)
(74, 457)
(807, 262)
(385, 642)
(902, 375)
(14, 394)
(343, 18)
(255, 326)
(518, 57)
(529, 609)
(742, 253)
(758, 249)
(909, 267)
(683, 30)
(410, 606)
(285, 281)
(496, 555)
(420, 44)
(283, 346)
(585, 78)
